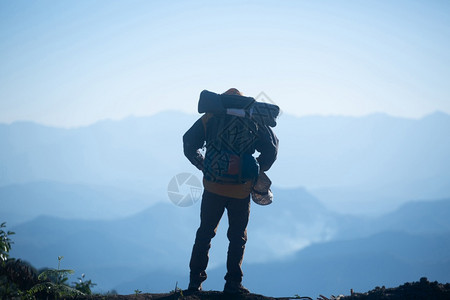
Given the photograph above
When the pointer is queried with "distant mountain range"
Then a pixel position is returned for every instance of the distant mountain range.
(333, 268)
(26, 201)
(161, 237)
(379, 254)
(346, 212)
(134, 154)
(378, 160)
(295, 246)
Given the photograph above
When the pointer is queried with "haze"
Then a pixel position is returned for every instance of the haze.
(73, 63)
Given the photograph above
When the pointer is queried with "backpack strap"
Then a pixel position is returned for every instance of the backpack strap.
(205, 118)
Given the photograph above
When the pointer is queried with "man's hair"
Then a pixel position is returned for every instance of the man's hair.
(233, 91)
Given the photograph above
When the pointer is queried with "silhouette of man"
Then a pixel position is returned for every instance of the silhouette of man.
(218, 196)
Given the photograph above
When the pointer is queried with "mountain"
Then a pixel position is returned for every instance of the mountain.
(23, 202)
(139, 154)
(356, 165)
(368, 164)
(362, 253)
(415, 217)
(160, 238)
(106, 249)
(418, 217)
(333, 268)
(295, 235)
(97, 195)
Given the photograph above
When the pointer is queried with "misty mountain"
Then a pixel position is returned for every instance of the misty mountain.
(155, 238)
(388, 258)
(378, 160)
(349, 151)
(415, 217)
(23, 202)
(153, 247)
(409, 243)
(97, 195)
(135, 153)
(160, 237)
(368, 164)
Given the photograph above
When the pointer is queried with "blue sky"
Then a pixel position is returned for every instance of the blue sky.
(72, 63)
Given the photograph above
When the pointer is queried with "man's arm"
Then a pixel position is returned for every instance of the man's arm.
(267, 145)
(193, 140)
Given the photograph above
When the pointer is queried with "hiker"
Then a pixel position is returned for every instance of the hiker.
(233, 140)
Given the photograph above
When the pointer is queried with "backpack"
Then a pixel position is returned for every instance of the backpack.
(230, 144)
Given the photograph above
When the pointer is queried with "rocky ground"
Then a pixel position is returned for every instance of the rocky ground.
(205, 295)
(422, 289)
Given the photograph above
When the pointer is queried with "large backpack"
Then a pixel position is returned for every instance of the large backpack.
(230, 143)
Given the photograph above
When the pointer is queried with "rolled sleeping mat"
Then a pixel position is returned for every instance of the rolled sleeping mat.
(210, 102)
(265, 113)
(217, 104)
(262, 113)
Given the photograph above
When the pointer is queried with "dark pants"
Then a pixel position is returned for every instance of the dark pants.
(212, 210)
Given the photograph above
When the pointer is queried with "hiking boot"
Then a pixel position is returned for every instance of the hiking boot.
(195, 286)
(234, 287)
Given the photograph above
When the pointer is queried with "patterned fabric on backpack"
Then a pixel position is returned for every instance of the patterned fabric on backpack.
(230, 143)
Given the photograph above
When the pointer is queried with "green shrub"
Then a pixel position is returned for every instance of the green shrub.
(5, 243)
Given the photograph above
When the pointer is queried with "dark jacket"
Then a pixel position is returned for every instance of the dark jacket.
(194, 139)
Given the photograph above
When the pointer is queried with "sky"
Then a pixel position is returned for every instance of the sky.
(73, 63)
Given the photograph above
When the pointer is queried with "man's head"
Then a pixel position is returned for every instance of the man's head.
(233, 91)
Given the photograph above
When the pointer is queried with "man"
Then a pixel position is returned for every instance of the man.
(220, 193)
